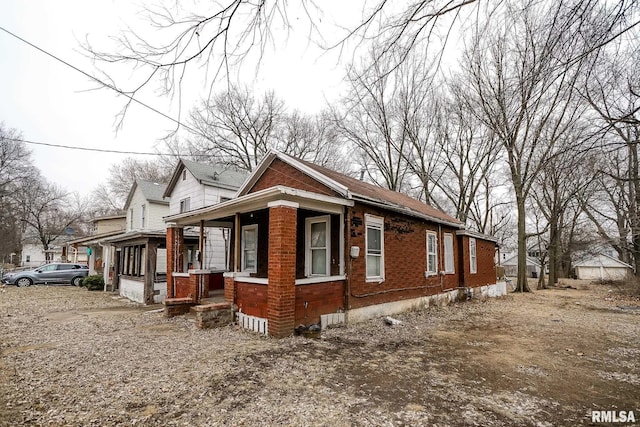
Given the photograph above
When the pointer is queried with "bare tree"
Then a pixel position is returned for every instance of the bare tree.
(237, 128)
(47, 211)
(212, 40)
(375, 120)
(470, 155)
(113, 195)
(523, 77)
(557, 187)
(613, 93)
(16, 170)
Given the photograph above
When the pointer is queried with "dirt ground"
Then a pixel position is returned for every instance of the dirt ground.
(79, 358)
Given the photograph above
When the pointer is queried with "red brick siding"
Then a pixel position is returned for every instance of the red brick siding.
(184, 287)
(405, 261)
(485, 253)
(230, 294)
(282, 270)
(321, 298)
(251, 298)
(280, 173)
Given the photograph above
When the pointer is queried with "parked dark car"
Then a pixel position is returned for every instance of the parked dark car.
(48, 274)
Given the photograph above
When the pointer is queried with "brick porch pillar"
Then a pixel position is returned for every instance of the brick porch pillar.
(230, 288)
(175, 255)
(281, 290)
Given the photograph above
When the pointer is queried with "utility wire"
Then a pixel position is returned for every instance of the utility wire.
(102, 150)
(119, 91)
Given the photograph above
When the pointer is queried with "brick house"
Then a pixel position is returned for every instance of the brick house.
(311, 245)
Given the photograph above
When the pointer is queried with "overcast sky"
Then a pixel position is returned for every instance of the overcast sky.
(51, 103)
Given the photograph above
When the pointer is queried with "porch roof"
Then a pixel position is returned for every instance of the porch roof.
(94, 239)
(212, 215)
(136, 236)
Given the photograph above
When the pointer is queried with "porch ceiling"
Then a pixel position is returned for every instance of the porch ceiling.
(259, 200)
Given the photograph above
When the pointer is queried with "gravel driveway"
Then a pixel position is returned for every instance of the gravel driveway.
(79, 358)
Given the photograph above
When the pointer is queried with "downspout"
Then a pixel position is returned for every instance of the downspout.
(440, 268)
(347, 256)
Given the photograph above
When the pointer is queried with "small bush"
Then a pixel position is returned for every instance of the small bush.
(93, 283)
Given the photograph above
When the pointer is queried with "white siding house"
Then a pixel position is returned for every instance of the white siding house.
(140, 261)
(602, 267)
(195, 185)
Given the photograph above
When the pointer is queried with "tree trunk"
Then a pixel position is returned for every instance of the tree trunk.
(522, 285)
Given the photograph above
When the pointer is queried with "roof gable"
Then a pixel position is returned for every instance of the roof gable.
(352, 188)
(206, 174)
(602, 260)
(153, 192)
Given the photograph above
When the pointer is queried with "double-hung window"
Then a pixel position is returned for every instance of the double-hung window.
(374, 242)
(448, 254)
(432, 253)
(250, 248)
(473, 260)
(318, 246)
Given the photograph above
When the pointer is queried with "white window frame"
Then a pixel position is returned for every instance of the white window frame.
(473, 256)
(449, 257)
(326, 219)
(131, 218)
(432, 270)
(143, 212)
(243, 260)
(374, 222)
(185, 204)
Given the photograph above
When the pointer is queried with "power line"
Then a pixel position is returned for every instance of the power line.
(119, 91)
(102, 150)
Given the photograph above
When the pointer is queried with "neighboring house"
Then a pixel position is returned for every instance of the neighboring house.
(510, 265)
(193, 186)
(140, 255)
(33, 255)
(100, 254)
(602, 267)
(311, 245)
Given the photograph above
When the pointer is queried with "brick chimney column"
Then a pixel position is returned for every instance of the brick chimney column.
(175, 255)
(281, 291)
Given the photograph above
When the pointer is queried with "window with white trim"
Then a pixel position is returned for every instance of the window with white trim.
(318, 246)
(432, 253)
(374, 245)
(250, 248)
(448, 254)
(143, 209)
(473, 260)
(185, 204)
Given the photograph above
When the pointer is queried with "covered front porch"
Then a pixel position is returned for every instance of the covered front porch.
(286, 257)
